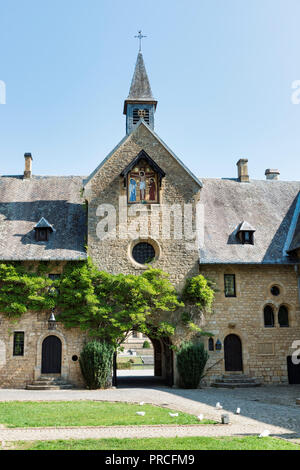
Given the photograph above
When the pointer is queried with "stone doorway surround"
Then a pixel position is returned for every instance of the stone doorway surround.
(64, 354)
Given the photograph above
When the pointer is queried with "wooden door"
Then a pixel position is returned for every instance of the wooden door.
(233, 353)
(51, 355)
(293, 371)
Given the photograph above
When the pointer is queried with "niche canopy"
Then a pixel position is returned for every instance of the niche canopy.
(142, 178)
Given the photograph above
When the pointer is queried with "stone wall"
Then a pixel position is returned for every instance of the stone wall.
(265, 350)
(113, 255)
(18, 371)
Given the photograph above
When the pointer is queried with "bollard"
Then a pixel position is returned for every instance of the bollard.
(225, 419)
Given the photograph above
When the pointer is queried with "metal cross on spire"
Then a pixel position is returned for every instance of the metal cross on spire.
(140, 37)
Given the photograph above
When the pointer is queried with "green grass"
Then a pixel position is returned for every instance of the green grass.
(177, 443)
(87, 413)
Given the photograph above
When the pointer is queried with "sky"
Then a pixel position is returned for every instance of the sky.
(221, 70)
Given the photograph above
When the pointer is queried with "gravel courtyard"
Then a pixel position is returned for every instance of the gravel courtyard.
(271, 408)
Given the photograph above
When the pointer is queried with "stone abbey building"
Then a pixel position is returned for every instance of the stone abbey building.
(143, 203)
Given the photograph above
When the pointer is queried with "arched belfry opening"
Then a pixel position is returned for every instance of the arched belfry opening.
(144, 361)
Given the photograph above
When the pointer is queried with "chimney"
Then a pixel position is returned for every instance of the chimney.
(272, 174)
(28, 166)
(242, 165)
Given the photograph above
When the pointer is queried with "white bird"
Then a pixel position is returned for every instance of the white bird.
(265, 433)
(238, 411)
(219, 406)
(173, 414)
(142, 403)
(141, 413)
(200, 417)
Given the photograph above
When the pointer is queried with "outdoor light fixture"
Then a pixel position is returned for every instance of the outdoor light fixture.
(52, 321)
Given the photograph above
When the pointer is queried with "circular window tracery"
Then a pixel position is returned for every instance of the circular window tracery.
(143, 253)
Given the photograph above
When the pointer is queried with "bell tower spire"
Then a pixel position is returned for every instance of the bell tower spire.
(140, 103)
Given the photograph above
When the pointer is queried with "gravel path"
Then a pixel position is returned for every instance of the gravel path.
(47, 434)
(271, 408)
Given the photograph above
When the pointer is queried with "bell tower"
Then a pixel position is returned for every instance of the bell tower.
(140, 103)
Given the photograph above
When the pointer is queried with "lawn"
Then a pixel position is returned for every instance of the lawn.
(177, 443)
(87, 413)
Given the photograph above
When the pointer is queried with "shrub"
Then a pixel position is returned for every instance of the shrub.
(191, 361)
(96, 360)
(146, 345)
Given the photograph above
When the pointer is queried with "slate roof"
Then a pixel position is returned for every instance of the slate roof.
(295, 245)
(269, 206)
(140, 88)
(43, 223)
(23, 202)
(246, 227)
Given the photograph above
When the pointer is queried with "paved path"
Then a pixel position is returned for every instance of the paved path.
(271, 408)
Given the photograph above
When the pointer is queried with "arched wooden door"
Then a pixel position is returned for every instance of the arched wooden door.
(51, 355)
(233, 353)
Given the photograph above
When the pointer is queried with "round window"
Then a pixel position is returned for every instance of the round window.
(143, 253)
(275, 290)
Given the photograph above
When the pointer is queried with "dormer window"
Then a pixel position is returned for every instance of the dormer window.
(245, 233)
(43, 230)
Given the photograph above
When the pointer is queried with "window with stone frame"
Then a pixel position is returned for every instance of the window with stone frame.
(283, 317)
(143, 253)
(268, 317)
(229, 285)
(18, 343)
(211, 346)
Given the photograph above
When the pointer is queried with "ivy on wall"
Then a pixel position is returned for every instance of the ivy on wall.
(105, 305)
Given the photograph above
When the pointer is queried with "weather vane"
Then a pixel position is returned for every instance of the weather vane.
(140, 37)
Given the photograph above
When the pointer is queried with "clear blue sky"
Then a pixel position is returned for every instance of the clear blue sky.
(221, 70)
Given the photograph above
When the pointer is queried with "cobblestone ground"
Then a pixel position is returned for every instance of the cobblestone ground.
(271, 408)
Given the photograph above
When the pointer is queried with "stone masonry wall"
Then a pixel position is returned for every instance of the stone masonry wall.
(265, 350)
(18, 371)
(114, 255)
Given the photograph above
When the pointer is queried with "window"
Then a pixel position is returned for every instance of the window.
(54, 277)
(229, 285)
(140, 114)
(275, 290)
(134, 334)
(211, 344)
(18, 343)
(247, 238)
(268, 317)
(283, 317)
(143, 253)
(41, 235)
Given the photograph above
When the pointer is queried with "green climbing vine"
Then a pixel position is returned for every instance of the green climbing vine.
(107, 306)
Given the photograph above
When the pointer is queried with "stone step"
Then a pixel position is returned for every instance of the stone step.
(235, 385)
(42, 387)
(49, 387)
(45, 382)
(149, 360)
(233, 381)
